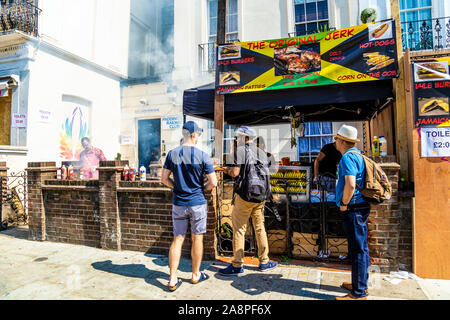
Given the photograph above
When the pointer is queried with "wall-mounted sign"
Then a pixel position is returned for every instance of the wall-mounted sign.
(435, 142)
(152, 110)
(431, 92)
(126, 140)
(173, 122)
(19, 120)
(366, 52)
(44, 115)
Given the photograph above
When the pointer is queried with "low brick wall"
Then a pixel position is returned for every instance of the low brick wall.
(107, 213)
(72, 212)
(383, 225)
(112, 214)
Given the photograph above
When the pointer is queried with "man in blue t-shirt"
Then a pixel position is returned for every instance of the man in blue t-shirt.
(188, 165)
(355, 210)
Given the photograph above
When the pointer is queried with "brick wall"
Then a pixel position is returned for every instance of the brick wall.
(405, 251)
(72, 212)
(383, 226)
(107, 213)
(3, 188)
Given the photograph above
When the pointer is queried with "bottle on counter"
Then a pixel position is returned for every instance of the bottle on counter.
(63, 172)
(132, 174)
(383, 146)
(126, 173)
(142, 173)
(375, 146)
(70, 172)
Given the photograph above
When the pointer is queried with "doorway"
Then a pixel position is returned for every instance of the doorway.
(149, 141)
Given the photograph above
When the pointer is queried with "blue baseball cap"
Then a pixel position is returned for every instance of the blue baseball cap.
(192, 127)
(246, 131)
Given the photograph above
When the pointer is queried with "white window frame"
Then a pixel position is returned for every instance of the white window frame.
(317, 21)
(416, 32)
(230, 36)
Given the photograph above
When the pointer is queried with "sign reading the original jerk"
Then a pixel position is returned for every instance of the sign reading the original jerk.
(431, 92)
(361, 53)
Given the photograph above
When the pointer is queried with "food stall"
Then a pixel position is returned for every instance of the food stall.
(345, 75)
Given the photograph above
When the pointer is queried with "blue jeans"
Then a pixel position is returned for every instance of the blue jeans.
(355, 225)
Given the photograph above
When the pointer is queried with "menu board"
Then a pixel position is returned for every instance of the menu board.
(366, 52)
(431, 92)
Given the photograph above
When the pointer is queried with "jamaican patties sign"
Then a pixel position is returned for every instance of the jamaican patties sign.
(431, 92)
(360, 53)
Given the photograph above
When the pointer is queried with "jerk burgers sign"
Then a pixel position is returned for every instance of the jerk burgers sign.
(360, 53)
(431, 92)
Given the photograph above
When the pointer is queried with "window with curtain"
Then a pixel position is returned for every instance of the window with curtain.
(232, 21)
(311, 16)
(317, 134)
(414, 13)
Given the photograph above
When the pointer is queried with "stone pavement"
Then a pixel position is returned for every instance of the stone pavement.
(56, 271)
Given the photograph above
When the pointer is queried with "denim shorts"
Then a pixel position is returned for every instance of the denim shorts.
(195, 214)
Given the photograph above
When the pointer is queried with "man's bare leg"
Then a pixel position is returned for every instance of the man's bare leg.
(174, 258)
(196, 254)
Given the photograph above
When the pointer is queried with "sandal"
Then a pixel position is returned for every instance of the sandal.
(203, 277)
(175, 287)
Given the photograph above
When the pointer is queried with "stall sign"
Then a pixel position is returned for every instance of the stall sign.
(19, 120)
(366, 52)
(170, 123)
(435, 142)
(431, 92)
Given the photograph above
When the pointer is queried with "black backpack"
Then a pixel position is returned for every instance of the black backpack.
(253, 185)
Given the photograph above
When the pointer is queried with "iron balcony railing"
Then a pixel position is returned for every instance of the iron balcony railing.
(430, 34)
(19, 15)
(207, 55)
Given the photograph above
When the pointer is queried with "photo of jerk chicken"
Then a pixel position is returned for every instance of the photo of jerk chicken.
(294, 60)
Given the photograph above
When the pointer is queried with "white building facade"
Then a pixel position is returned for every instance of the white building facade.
(68, 80)
(159, 100)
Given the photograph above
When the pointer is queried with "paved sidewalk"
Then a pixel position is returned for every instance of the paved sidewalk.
(46, 270)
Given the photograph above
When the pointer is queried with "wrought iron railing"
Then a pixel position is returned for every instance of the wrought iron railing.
(207, 55)
(19, 15)
(430, 34)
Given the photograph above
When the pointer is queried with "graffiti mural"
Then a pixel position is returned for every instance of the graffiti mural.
(75, 126)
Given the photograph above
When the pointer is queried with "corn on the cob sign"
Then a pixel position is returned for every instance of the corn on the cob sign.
(431, 92)
(361, 53)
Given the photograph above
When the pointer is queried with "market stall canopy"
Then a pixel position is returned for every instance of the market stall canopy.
(342, 102)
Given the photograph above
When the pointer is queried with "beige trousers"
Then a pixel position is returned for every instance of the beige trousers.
(242, 212)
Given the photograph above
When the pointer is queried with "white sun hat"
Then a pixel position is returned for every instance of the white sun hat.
(347, 133)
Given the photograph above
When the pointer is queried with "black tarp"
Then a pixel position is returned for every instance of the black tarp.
(342, 102)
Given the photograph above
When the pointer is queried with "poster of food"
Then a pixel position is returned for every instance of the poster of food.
(431, 92)
(361, 53)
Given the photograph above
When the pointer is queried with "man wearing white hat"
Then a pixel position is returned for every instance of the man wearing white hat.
(355, 210)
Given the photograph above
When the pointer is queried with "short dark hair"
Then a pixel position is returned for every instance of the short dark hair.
(85, 139)
(260, 140)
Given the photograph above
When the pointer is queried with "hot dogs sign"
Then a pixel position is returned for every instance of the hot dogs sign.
(360, 53)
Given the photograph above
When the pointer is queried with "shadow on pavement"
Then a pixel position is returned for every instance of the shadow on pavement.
(256, 284)
(134, 271)
(184, 266)
(17, 232)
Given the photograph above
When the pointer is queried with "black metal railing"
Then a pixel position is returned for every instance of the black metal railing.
(19, 15)
(207, 55)
(430, 34)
